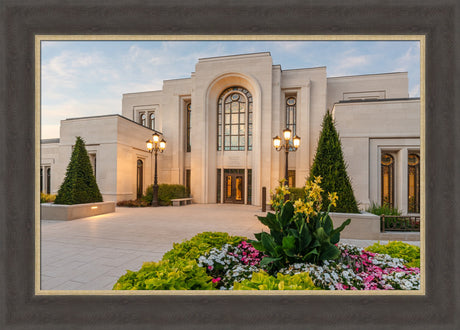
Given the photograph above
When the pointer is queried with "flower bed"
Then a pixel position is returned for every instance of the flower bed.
(300, 252)
(205, 263)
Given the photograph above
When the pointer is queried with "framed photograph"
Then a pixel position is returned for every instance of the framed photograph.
(34, 296)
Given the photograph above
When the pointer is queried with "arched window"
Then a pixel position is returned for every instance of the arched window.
(143, 119)
(387, 179)
(48, 180)
(291, 105)
(234, 119)
(189, 126)
(140, 178)
(152, 120)
(41, 179)
(413, 189)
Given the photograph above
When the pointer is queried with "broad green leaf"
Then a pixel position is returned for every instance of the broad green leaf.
(286, 214)
(327, 225)
(330, 253)
(305, 238)
(266, 260)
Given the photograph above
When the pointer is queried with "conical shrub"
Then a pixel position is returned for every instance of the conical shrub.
(79, 184)
(330, 165)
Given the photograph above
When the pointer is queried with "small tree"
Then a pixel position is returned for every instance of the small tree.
(330, 165)
(79, 184)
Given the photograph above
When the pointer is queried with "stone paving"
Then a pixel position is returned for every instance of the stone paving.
(92, 253)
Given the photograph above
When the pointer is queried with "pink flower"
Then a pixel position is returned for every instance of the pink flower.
(210, 267)
(215, 280)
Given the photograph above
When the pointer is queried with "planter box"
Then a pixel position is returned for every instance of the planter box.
(363, 225)
(50, 211)
(366, 226)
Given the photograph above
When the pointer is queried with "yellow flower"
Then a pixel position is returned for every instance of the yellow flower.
(333, 198)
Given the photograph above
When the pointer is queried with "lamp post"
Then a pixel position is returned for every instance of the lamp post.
(287, 134)
(156, 145)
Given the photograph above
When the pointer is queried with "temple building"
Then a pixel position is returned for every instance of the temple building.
(219, 124)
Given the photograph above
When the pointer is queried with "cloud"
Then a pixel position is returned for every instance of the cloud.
(415, 91)
(349, 65)
(408, 59)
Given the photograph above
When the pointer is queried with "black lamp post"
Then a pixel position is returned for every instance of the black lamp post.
(155, 146)
(287, 134)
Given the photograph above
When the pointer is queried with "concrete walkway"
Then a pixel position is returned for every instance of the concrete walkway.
(92, 253)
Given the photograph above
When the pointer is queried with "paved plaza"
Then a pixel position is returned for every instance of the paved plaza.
(92, 253)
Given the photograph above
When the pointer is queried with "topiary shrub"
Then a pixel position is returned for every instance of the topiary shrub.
(410, 253)
(200, 244)
(79, 184)
(166, 275)
(166, 192)
(330, 165)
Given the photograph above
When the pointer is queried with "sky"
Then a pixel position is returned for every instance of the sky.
(88, 78)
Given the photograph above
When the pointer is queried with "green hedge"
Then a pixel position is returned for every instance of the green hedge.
(166, 192)
(384, 209)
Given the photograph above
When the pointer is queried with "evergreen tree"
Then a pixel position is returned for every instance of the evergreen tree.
(79, 184)
(330, 165)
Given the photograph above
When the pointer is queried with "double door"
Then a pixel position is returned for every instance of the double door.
(234, 186)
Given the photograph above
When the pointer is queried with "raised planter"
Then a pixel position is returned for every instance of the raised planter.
(363, 225)
(51, 211)
(366, 226)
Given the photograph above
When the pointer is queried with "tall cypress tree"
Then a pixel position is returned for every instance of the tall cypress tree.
(79, 184)
(330, 165)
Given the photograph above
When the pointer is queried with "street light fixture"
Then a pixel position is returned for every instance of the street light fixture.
(155, 146)
(287, 134)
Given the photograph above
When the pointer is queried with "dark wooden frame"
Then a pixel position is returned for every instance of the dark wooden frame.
(20, 20)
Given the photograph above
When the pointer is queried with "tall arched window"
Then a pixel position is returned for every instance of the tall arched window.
(143, 120)
(152, 120)
(189, 126)
(413, 189)
(234, 119)
(291, 104)
(140, 178)
(387, 179)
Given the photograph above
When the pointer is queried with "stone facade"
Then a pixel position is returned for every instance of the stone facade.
(212, 152)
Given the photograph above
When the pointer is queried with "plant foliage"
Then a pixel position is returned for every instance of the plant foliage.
(134, 203)
(330, 165)
(200, 244)
(47, 198)
(299, 232)
(166, 192)
(384, 209)
(263, 281)
(79, 184)
(166, 275)
(410, 253)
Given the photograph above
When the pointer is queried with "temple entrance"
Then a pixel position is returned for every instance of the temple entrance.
(234, 186)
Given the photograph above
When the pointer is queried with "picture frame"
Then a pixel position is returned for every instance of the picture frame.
(21, 308)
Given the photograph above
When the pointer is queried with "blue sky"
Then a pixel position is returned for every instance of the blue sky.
(86, 78)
